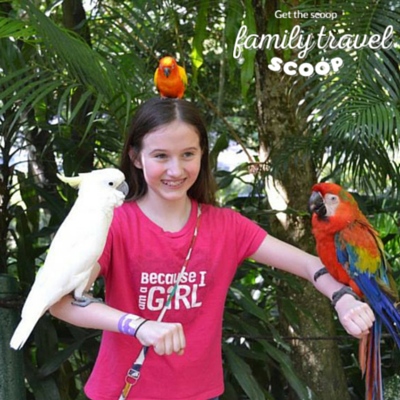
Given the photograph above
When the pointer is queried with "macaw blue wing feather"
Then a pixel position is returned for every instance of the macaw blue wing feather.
(371, 284)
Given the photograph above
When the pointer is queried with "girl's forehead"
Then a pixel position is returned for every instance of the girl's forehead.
(174, 135)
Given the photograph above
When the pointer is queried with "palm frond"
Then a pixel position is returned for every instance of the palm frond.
(357, 108)
(73, 54)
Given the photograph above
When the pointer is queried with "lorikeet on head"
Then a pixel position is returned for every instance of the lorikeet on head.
(170, 79)
(353, 253)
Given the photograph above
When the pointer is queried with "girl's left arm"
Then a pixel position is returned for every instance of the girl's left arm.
(355, 316)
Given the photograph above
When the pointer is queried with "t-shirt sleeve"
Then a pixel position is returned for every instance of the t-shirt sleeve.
(249, 237)
(105, 258)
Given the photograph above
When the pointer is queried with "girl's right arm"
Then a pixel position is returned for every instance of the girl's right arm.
(166, 338)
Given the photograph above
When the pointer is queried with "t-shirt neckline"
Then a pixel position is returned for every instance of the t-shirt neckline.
(188, 226)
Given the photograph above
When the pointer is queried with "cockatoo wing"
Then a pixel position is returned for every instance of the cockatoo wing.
(76, 247)
(74, 251)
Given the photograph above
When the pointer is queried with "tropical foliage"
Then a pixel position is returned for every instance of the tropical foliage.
(67, 96)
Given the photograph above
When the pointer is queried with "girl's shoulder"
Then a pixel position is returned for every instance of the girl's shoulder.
(126, 213)
(127, 208)
(220, 212)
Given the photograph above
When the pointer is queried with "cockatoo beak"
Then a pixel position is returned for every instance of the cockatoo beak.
(124, 188)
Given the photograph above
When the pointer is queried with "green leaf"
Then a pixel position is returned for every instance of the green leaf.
(248, 304)
(298, 386)
(221, 144)
(199, 36)
(34, 98)
(54, 363)
(233, 21)
(243, 374)
(25, 253)
(94, 112)
(82, 100)
(247, 69)
(15, 29)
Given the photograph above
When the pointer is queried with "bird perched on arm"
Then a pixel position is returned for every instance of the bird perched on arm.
(170, 78)
(76, 247)
(353, 253)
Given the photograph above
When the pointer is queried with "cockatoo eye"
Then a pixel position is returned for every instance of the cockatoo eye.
(111, 183)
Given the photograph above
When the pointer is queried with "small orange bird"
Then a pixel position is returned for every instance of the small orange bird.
(170, 79)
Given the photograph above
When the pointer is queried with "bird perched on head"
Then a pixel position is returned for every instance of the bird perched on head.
(170, 78)
(76, 247)
(353, 253)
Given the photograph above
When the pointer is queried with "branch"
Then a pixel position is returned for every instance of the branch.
(228, 125)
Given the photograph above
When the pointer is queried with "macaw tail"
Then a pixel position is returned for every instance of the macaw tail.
(386, 313)
(383, 306)
(370, 362)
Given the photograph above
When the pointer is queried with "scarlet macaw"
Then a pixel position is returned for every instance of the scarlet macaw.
(353, 254)
(170, 78)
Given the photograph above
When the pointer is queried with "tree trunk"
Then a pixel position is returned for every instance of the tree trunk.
(318, 363)
(74, 18)
(6, 174)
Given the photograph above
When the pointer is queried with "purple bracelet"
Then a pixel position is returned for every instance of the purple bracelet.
(124, 324)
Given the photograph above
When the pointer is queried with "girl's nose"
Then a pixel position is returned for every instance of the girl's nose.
(175, 168)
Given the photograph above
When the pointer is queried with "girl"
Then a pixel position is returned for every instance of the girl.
(165, 161)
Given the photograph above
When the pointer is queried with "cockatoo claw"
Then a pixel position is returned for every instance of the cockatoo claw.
(85, 301)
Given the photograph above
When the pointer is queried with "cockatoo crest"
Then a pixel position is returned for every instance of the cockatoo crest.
(100, 181)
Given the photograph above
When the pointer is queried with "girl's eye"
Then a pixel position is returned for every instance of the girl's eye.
(188, 154)
(160, 156)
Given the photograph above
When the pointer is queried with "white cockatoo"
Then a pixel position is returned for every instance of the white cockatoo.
(76, 247)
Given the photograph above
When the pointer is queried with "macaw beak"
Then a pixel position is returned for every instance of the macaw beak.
(167, 71)
(124, 188)
(316, 204)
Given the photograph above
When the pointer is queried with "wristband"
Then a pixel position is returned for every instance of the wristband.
(340, 293)
(124, 324)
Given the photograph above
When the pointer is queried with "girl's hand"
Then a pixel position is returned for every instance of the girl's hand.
(165, 338)
(355, 316)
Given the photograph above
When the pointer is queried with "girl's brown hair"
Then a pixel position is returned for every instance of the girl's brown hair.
(151, 115)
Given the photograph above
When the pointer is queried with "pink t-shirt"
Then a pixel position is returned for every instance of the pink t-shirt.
(140, 264)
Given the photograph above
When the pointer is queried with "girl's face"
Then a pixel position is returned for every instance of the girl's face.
(170, 159)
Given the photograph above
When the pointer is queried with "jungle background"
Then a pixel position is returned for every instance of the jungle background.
(72, 74)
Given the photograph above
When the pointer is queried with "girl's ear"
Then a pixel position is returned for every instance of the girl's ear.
(135, 158)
